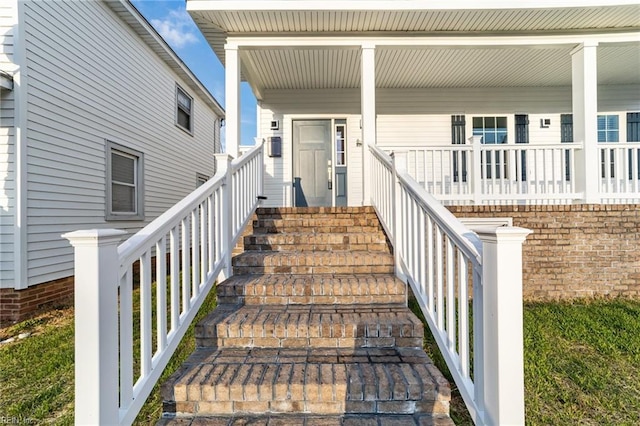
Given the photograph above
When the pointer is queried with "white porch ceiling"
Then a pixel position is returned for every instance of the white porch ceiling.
(434, 67)
(418, 66)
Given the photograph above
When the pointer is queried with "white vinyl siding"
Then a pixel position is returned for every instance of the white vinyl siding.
(8, 18)
(81, 96)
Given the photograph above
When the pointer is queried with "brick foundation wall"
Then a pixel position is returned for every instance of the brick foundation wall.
(575, 251)
(16, 305)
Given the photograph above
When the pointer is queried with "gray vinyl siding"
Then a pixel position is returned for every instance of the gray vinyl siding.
(79, 97)
(413, 118)
(8, 17)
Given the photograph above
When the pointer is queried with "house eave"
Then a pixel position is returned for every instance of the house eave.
(386, 5)
(130, 15)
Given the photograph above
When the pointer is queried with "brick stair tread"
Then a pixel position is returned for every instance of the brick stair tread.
(321, 381)
(315, 325)
(311, 420)
(316, 288)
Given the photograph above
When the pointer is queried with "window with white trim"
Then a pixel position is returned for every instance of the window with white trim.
(184, 110)
(608, 131)
(608, 128)
(125, 189)
(493, 130)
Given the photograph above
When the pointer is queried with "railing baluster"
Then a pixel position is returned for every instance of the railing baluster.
(195, 253)
(430, 268)
(440, 279)
(186, 266)
(174, 247)
(126, 338)
(450, 268)
(204, 243)
(463, 315)
(161, 293)
(145, 314)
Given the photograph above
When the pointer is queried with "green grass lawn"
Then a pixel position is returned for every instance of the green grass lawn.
(582, 366)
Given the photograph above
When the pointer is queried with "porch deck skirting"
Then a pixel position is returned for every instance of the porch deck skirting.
(575, 251)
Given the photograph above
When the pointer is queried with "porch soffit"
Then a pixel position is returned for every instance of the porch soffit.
(411, 67)
(434, 67)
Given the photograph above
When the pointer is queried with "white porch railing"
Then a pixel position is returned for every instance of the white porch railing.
(619, 172)
(521, 173)
(447, 265)
(195, 238)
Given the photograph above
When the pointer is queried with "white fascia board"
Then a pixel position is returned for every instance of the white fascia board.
(296, 41)
(371, 5)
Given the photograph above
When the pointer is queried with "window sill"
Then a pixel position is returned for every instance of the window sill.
(184, 129)
(124, 217)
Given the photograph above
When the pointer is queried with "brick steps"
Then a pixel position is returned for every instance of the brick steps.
(313, 328)
(324, 262)
(327, 381)
(318, 326)
(311, 289)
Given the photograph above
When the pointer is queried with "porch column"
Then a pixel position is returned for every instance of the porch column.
(232, 99)
(368, 111)
(585, 119)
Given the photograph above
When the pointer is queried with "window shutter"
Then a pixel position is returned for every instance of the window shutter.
(566, 128)
(633, 127)
(522, 128)
(458, 129)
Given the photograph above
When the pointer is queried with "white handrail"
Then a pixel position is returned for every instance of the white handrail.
(192, 244)
(442, 259)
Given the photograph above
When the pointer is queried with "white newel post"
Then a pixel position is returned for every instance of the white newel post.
(96, 325)
(476, 169)
(223, 165)
(502, 357)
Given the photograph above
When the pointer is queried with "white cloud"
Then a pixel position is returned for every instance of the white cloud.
(176, 28)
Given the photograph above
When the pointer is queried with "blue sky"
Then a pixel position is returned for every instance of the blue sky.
(174, 24)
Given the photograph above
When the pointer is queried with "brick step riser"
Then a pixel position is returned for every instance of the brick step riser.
(279, 334)
(335, 269)
(336, 258)
(292, 247)
(306, 300)
(319, 342)
(214, 408)
(317, 229)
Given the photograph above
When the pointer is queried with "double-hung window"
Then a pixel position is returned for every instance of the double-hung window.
(125, 189)
(493, 130)
(184, 110)
(608, 131)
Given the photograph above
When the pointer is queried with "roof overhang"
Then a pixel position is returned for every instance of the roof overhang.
(297, 44)
(132, 17)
